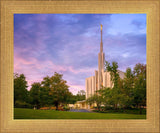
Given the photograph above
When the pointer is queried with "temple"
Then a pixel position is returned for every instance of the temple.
(101, 77)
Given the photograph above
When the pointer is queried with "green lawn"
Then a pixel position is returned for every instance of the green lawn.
(20, 113)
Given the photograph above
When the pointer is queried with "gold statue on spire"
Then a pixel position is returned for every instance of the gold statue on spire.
(101, 26)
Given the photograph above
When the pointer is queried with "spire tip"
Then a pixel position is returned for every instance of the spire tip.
(101, 26)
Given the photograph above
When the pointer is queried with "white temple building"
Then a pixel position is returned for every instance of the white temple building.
(101, 77)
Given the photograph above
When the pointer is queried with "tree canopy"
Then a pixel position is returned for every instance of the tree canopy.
(58, 89)
(51, 91)
(20, 87)
(129, 92)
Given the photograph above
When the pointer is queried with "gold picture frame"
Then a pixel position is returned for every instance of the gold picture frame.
(150, 7)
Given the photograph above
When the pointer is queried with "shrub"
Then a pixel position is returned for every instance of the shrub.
(44, 108)
(66, 108)
(20, 104)
(108, 108)
(53, 108)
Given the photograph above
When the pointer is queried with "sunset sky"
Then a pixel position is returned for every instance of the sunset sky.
(69, 44)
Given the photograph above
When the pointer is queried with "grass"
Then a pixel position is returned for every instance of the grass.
(20, 113)
(126, 111)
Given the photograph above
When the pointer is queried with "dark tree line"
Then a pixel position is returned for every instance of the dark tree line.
(129, 92)
(52, 91)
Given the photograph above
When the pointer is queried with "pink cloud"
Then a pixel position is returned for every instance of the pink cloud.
(35, 70)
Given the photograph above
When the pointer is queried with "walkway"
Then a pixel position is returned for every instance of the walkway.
(79, 110)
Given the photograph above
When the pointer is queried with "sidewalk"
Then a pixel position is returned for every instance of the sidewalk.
(80, 110)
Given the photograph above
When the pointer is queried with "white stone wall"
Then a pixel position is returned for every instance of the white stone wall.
(86, 85)
(96, 80)
(93, 85)
(90, 86)
(105, 79)
(121, 74)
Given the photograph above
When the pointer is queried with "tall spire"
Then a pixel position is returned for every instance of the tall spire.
(100, 63)
(101, 46)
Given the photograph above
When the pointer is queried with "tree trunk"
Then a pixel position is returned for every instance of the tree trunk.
(56, 106)
(98, 107)
(115, 106)
(140, 111)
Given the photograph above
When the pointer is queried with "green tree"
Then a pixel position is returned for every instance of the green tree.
(96, 99)
(117, 97)
(113, 69)
(81, 92)
(58, 89)
(128, 87)
(20, 88)
(139, 86)
(73, 99)
(80, 95)
(127, 92)
(106, 93)
(45, 98)
(35, 94)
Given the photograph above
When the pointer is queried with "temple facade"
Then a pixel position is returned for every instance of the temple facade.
(101, 77)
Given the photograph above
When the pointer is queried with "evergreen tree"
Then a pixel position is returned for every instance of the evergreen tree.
(20, 89)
